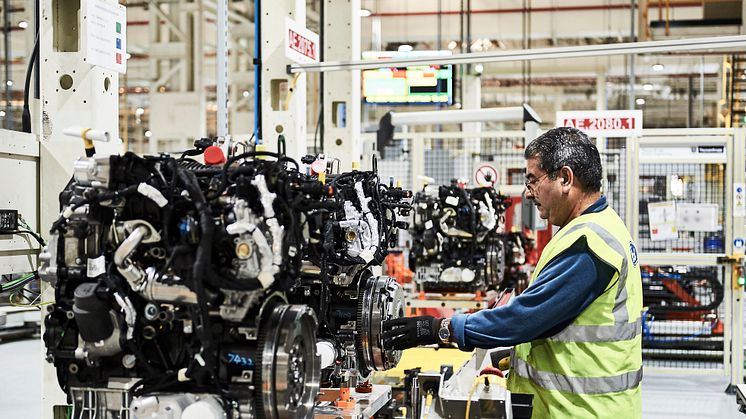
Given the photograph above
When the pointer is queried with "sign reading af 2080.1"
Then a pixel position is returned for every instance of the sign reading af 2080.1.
(603, 123)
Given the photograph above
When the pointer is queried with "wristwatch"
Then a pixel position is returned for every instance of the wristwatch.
(444, 333)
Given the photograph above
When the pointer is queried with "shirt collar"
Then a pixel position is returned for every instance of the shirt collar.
(597, 206)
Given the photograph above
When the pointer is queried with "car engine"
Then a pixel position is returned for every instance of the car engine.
(233, 291)
(457, 244)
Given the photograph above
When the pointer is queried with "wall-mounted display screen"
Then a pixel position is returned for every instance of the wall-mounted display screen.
(420, 84)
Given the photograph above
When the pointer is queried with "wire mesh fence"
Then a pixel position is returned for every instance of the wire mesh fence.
(614, 185)
(683, 321)
(446, 159)
(396, 164)
(682, 207)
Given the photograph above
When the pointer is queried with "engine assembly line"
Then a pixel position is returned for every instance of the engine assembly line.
(372, 209)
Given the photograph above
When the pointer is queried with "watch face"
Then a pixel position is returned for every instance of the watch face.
(444, 334)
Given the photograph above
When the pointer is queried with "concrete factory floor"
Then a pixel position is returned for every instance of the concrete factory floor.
(663, 396)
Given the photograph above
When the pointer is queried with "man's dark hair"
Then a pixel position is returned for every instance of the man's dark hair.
(570, 147)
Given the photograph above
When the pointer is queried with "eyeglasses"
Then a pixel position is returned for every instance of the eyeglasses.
(531, 184)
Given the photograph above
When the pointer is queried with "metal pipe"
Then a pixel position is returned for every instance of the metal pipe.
(221, 68)
(322, 42)
(439, 41)
(6, 35)
(546, 9)
(257, 72)
(155, 291)
(414, 397)
(632, 56)
(689, 103)
(701, 91)
(625, 48)
(513, 113)
(129, 245)
(460, 79)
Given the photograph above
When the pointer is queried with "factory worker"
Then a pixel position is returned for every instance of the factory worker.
(577, 327)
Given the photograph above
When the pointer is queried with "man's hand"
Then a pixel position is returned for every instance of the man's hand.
(408, 332)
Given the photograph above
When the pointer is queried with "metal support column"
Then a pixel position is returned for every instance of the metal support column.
(342, 90)
(83, 105)
(8, 82)
(738, 168)
(283, 95)
(601, 106)
(472, 100)
(177, 95)
(221, 68)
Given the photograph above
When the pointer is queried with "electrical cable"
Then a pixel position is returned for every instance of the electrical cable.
(290, 91)
(316, 134)
(482, 378)
(16, 285)
(26, 116)
(33, 303)
(62, 220)
(36, 236)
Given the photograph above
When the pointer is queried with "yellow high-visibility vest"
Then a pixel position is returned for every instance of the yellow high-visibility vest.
(592, 368)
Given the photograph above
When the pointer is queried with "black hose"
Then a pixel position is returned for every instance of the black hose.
(29, 232)
(26, 116)
(200, 267)
(224, 179)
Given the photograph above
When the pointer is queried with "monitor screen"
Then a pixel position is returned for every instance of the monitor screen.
(419, 84)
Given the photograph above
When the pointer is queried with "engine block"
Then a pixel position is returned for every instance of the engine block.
(183, 290)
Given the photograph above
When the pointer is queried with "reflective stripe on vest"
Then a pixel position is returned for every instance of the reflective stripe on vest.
(577, 385)
(600, 333)
(622, 329)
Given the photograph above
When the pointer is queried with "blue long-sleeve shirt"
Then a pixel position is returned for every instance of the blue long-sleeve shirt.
(564, 288)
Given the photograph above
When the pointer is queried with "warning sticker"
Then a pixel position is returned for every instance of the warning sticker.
(486, 175)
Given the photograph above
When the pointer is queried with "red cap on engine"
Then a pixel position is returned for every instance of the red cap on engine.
(214, 156)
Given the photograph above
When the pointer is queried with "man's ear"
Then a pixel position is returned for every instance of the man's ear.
(567, 177)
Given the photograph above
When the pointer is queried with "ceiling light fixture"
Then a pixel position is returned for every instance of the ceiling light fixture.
(23, 24)
(647, 87)
(364, 13)
(640, 101)
(405, 48)
(658, 67)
